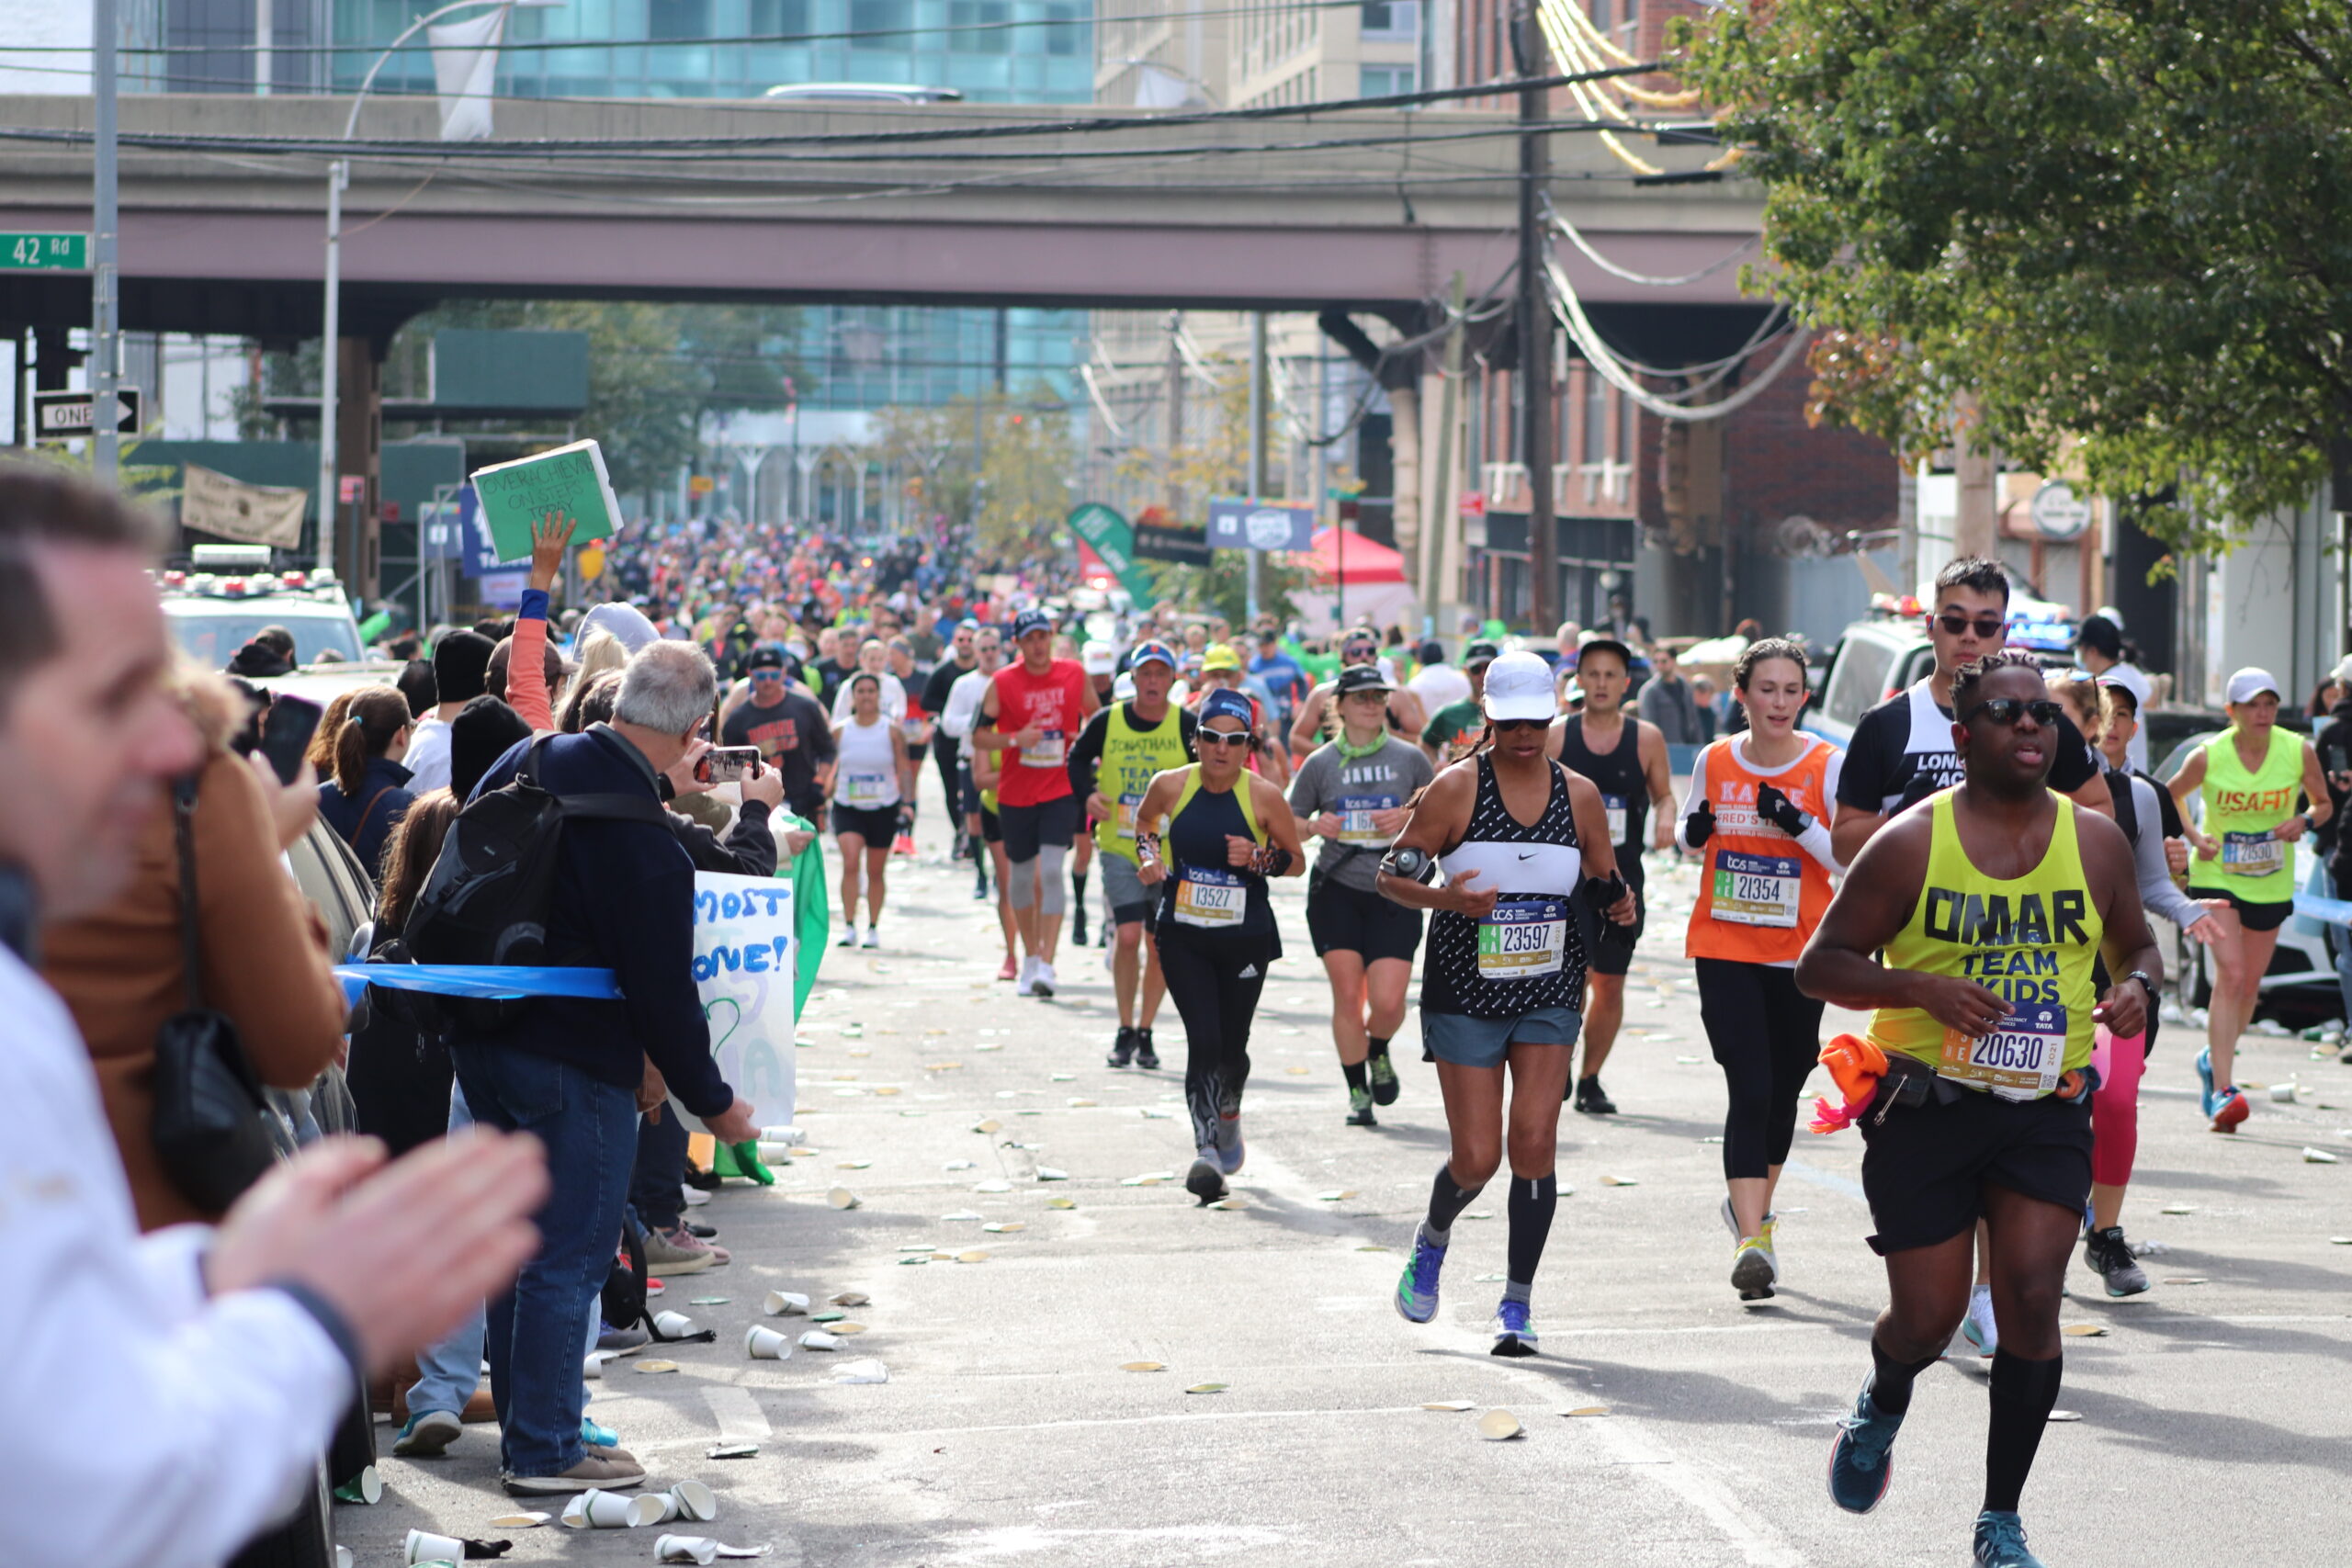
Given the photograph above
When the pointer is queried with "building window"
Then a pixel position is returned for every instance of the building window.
(788, 18)
(1395, 21)
(1624, 429)
(881, 24)
(1595, 447)
(1066, 33)
(1601, 13)
(677, 19)
(1380, 81)
(984, 20)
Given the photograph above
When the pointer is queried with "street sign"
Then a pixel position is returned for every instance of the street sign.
(44, 252)
(350, 488)
(1474, 503)
(1181, 547)
(62, 416)
(700, 484)
(2058, 512)
(1259, 525)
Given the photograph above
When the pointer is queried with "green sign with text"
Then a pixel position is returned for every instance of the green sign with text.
(1109, 535)
(44, 252)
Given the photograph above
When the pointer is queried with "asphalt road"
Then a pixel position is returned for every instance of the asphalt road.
(2213, 1420)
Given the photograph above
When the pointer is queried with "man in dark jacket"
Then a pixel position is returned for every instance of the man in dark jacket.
(569, 1069)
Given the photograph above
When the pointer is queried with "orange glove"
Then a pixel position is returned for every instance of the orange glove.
(1855, 1067)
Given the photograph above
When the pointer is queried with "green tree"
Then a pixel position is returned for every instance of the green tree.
(2115, 230)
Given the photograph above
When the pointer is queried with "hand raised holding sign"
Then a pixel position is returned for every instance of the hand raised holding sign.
(550, 536)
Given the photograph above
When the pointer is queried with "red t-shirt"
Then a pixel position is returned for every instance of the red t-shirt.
(1055, 702)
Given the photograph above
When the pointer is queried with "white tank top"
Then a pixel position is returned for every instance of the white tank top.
(865, 776)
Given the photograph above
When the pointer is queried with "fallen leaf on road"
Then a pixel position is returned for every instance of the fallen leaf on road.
(1206, 1388)
(2085, 1330)
(1143, 1366)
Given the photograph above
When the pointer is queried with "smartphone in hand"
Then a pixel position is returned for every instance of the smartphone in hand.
(285, 731)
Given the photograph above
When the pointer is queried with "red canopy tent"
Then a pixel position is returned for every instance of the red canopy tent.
(1339, 553)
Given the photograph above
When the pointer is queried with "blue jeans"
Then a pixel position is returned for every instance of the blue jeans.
(660, 1171)
(538, 1325)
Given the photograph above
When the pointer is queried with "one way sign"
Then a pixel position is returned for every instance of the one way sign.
(65, 416)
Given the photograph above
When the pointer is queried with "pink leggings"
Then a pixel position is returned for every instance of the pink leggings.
(2115, 1108)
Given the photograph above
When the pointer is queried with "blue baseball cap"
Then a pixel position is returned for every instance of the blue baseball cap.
(1225, 703)
(1151, 650)
(1030, 621)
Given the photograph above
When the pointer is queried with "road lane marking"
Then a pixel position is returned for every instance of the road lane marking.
(739, 1415)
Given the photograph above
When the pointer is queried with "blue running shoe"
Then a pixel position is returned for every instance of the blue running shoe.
(1417, 1291)
(2205, 1077)
(1514, 1333)
(2001, 1542)
(598, 1437)
(1861, 1462)
(1230, 1150)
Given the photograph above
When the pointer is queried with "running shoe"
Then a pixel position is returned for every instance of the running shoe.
(1360, 1108)
(1009, 971)
(849, 938)
(1514, 1330)
(1145, 1057)
(1204, 1180)
(1417, 1291)
(596, 1436)
(1078, 931)
(1041, 984)
(611, 1338)
(873, 938)
(1861, 1462)
(1383, 1073)
(1026, 986)
(1122, 1049)
(2001, 1542)
(904, 844)
(2227, 1107)
(428, 1434)
(1979, 1326)
(979, 890)
(2107, 1255)
(1592, 1099)
(1754, 1270)
(1230, 1152)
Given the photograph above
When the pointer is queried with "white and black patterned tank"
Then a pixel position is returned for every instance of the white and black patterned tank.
(1527, 953)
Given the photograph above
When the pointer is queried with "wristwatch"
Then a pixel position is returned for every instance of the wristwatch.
(2145, 984)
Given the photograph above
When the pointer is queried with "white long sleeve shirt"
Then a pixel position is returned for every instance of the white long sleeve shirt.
(141, 1422)
(964, 700)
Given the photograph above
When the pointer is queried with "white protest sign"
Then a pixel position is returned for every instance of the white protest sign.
(743, 968)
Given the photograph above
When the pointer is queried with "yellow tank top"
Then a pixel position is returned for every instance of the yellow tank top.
(2031, 938)
(1131, 757)
(2241, 808)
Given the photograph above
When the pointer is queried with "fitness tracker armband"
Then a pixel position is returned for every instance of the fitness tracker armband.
(1413, 866)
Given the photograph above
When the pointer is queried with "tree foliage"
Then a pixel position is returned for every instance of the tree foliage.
(2114, 231)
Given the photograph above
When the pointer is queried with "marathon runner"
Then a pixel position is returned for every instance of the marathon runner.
(790, 729)
(1101, 662)
(1208, 835)
(1758, 808)
(1033, 708)
(1221, 672)
(873, 781)
(1517, 836)
(1902, 751)
(1626, 758)
(1359, 647)
(958, 720)
(945, 747)
(2249, 775)
(1453, 729)
(1991, 907)
(1120, 752)
(1351, 792)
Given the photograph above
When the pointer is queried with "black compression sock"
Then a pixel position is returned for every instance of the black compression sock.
(1891, 1388)
(1077, 881)
(1355, 1073)
(1446, 1203)
(1375, 1047)
(1532, 1204)
(2024, 1393)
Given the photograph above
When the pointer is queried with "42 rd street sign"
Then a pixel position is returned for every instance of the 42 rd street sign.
(44, 252)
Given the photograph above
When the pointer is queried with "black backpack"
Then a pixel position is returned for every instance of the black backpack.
(486, 899)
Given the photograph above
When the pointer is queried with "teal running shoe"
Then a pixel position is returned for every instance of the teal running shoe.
(1861, 1462)
(1417, 1291)
(598, 1437)
(1514, 1330)
(428, 1433)
(2205, 1077)
(2001, 1542)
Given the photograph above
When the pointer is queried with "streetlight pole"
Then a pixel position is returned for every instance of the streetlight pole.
(1534, 332)
(105, 344)
(331, 339)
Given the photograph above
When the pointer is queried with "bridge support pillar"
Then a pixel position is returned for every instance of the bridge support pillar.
(358, 446)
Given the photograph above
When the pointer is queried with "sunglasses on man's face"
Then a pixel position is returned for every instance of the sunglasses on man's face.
(2007, 710)
(764, 675)
(1959, 625)
(1359, 650)
(1225, 736)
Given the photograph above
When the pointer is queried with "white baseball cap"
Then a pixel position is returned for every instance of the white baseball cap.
(1519, 686)
(2250, 682)
(2131, 680)
(1099, 658)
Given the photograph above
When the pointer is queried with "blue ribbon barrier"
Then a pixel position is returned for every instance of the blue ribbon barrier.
(489, 982)
(2334, 911)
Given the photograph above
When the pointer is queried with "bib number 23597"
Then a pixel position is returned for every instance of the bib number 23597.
(1525, 938)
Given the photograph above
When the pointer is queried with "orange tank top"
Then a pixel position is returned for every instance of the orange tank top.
(1760, 893)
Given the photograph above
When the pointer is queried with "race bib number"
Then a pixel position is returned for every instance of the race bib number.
(1523, 939)
(1125, 824)
(2251, 854)
(1355, 817)
(1047, 754)
(1756, 890)
(2020, 1060)
(1208, 898)
(863, 789)
(1616, 805)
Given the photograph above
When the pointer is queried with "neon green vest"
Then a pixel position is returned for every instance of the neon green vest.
(2241, 808)
(1130, 757)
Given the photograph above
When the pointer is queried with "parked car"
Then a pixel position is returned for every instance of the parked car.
(876, 93)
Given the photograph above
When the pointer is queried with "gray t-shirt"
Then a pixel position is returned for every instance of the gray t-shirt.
(1355, 788)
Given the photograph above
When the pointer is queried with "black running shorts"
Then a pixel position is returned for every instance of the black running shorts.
(1350, 920)
(1925, 1168)
(1028, 829)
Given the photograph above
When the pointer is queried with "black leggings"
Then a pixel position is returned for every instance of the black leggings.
(1216, 1002)
(943, 752)
(1766, 1035)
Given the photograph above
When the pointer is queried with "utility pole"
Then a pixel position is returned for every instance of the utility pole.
(1257, 479)
(1444, 519)
(265, 52)
(1534, 330)
(105, 346)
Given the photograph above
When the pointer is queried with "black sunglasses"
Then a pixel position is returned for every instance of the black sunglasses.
(1956, 626)
(2006, 710)
(1499, 725)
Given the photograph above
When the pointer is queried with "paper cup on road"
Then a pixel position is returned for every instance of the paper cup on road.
(685, 1549)
(817, 1339)
(782, 1134)
(610, 1511)
(861, 1372)
(2282, 1093)
(776, 1154)
(688, 1500)
(765, 1344)
(787, 1304)
(673, 1323)
(423, 1546)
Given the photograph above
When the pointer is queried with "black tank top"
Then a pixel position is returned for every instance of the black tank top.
(1204, 898)
(1624, 790)
(1529, 954)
